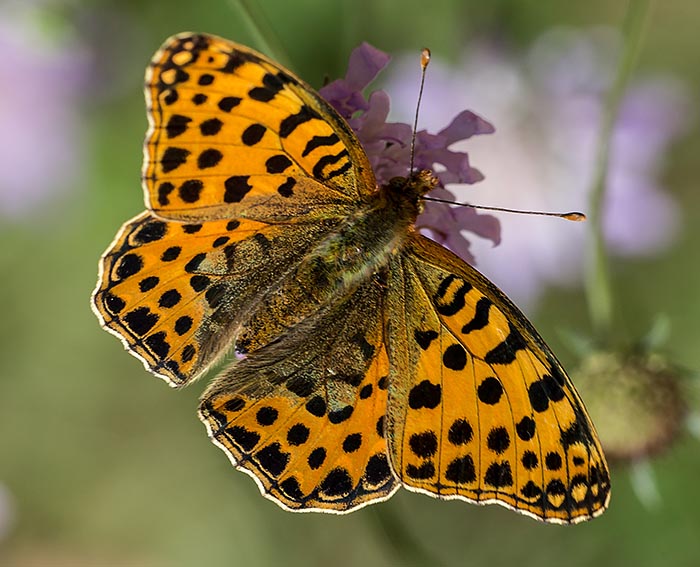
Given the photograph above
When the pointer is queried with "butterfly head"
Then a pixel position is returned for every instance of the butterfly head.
(411, 189)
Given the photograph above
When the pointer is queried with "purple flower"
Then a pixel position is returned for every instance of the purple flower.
(388, 147)
(40, 141)
(444, 223)
(548, 106)
(366, 62)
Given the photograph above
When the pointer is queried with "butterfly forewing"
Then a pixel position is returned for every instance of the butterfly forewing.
(480, 408)
(233, 134)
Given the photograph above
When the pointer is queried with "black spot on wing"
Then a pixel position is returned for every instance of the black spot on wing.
(449, 297)
(164, 190)
(319, 170)
(422, 472)
(424, 444)
(341, 415)
(253, 134)
(316, 458)
(481, 316)
(147, 284)
(425, 395)
(141, 320)
(278, 163)
(499, 475)
(504, 353)
(210, 127)
(490, 391)
(461, 470)
(271, 86)
(177, 125)
(526, 428)
(291, 488)
(173, 158)
(228, 103)
(242, 437)
(190, 190)
(286, 188)
(151, 232)
(290, 123)
(338, 482)
(112, 303)
(298, 434)
(234, 61)
(378, 470)
(272, 459)
(319, 141)
(129, 265)
(455, 357)
(209, 158)
(158, 345)
(460, 432)
(236, 187)
(424, 338)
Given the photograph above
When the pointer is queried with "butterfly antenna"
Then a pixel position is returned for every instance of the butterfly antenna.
(424, 60)
(572, 216)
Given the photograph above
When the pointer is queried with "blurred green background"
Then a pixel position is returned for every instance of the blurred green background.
(102, 464)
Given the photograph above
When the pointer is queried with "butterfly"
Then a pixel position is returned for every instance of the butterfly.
(361, 356)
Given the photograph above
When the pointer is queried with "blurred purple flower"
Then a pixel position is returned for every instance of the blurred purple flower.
(548, 106)
(388, 146)
(40, 140)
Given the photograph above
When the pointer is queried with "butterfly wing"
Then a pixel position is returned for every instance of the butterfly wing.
(480, 409)
(304, 415)
(233, 134)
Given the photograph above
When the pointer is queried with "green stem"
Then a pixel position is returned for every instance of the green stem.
(598, 287)
(263, 33)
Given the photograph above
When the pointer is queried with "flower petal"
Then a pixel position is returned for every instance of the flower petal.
(345, 95)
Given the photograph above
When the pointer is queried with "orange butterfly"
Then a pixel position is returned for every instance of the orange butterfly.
(369, 357)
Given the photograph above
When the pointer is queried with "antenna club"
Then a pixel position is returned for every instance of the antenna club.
(424, 57)
(574, 216)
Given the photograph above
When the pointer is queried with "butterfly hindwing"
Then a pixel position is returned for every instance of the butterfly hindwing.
(305, 415)
(480, 409)
(232, 134)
